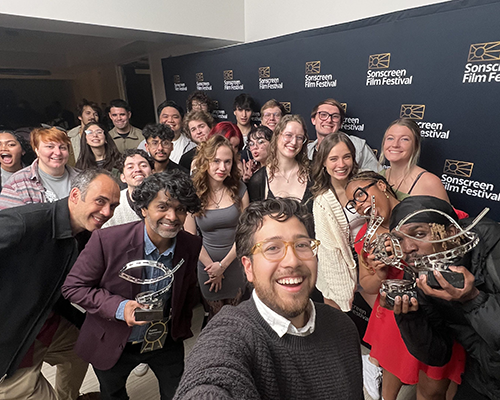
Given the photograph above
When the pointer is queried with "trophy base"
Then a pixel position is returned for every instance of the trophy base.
(456, 279)
(143, 314)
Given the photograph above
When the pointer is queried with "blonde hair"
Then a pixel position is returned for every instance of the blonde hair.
(417, 139)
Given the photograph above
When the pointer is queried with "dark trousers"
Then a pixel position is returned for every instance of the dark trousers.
(467, 392)
(167, 364)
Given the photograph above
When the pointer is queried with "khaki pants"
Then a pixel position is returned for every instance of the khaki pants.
(29, 383)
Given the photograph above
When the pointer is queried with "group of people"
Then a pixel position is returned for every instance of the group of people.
(259, 219)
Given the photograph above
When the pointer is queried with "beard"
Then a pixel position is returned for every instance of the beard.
(290, 306)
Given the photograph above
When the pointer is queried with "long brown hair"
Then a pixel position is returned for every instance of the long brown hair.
(87, 157)
(204, 156)
(319, 175)
(301, 157)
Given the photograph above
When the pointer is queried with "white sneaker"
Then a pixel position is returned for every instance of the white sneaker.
(141, 369)
(372, 377)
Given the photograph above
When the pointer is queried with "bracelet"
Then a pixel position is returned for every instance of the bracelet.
(220, 265)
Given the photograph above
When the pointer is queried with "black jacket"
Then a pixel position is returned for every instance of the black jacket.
(37, 250)
(429, 332)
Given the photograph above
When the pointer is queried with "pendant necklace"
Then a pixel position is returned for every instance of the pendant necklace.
(289, 175)
(217, 203)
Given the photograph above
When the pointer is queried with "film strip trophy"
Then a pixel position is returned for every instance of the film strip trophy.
(387, 249)
(152, 275)
(452, 248)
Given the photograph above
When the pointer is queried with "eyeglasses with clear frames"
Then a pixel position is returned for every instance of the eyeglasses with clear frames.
(268, 115)
(156, 143)
(198, 106)
(257, 143)
(324, 116)
(275, 250)
(98, 132)
(288, 137)
(360, 195)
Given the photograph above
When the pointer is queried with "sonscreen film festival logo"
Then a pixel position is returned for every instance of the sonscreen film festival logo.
(218, 113)
(178, 85)
(314, 79)
(287, 105)
(379, 74)
(200, 82)
(428, 129)
(265, 80)
(230, 83)
(483, 64)
(455, 178)
(351, 123)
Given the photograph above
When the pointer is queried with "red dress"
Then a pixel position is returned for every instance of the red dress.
(389, 348)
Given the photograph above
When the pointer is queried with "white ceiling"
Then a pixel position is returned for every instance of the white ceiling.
(68, 48)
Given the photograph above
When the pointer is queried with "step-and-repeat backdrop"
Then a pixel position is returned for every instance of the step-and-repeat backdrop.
(439, 65)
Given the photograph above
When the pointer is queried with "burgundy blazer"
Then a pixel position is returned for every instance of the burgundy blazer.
(94, 284)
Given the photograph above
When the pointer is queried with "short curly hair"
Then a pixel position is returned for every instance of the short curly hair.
(279, 209)
(120, 164)
(161, 131)
(176, 184)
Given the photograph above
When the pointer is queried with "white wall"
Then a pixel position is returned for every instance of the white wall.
(222, 19)
(269, 18)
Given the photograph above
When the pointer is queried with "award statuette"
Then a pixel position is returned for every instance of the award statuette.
(397, 287)
(454, 247)
(138, 272)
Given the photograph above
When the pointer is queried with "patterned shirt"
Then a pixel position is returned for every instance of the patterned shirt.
(25, 187)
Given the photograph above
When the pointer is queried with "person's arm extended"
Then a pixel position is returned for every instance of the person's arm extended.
(221, 369)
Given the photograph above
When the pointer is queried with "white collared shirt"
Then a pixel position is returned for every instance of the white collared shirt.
(280, 324)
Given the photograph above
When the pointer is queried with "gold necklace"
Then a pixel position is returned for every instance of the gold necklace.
(217, 203)
(289, 175)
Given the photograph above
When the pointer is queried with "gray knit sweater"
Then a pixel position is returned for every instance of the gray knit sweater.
(239, 356)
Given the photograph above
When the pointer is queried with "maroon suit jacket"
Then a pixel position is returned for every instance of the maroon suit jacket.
(94, 284)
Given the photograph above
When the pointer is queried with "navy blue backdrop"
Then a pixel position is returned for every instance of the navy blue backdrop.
(438, 64)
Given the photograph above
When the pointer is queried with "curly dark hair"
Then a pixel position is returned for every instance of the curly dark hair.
(120, 164)
(279, 209)
(201, 97)
(161, 131)
(176, 184)
(29, 155)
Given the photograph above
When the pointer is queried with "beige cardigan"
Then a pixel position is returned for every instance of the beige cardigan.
(337, 273)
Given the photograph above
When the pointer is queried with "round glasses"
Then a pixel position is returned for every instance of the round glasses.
(360, 195)
(275, 250)
(257, 143)
(288, 137)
